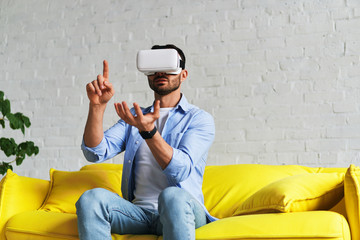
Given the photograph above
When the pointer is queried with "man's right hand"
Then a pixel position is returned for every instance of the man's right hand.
(100, 91)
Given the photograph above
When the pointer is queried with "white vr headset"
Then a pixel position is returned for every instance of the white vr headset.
(166, 61)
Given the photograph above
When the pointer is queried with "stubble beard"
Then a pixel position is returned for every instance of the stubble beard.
(173, 86)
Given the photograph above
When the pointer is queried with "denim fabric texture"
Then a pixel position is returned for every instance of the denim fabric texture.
(101, 212)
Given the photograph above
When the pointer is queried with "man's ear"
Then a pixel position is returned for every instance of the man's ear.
(184, 74)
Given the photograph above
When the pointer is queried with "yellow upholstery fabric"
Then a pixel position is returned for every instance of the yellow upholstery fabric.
(352, 193)
(340, 208)
(19, 194)
(304, 192)
(226, 187)
(67, 187)
(42, 225)
(296, 225)
(103, 166)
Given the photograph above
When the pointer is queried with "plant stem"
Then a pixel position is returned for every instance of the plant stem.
(11, 161)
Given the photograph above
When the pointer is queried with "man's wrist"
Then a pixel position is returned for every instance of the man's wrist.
(97, 107)
(148, 134)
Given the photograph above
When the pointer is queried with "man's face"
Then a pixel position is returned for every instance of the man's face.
(163, 83)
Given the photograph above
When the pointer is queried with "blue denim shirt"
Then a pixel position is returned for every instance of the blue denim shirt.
(188, 130)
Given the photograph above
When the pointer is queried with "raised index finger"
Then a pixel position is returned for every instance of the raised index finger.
(106, 70)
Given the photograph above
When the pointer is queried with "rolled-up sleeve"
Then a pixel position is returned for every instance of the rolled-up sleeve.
(191, 147)
(112, 144)
(95, 154)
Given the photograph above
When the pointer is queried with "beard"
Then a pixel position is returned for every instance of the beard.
(173, 85)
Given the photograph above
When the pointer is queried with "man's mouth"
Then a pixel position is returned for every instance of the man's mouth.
(161, 80)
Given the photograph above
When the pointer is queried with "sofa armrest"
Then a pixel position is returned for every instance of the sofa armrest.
(20, 194)
(352, 200)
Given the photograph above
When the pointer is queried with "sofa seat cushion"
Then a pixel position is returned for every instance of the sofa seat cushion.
(295, 225)
(43, 225)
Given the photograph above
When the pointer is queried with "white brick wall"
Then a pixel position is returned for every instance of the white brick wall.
(280, 77)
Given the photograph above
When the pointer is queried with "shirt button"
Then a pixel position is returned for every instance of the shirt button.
(137, 142)
(129, 161)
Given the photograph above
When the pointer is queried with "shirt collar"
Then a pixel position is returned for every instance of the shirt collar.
(183, 104)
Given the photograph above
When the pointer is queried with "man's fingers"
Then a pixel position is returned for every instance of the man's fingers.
(124, 113)
(121, 112)
(157, 109)
(90, 88)
(108, 85)
(138, 110)
(106, 69)
(127, 111)
(118, 108)
(100, 80)
(95, 84)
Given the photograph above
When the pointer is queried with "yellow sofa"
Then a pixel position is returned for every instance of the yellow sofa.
(251, 201)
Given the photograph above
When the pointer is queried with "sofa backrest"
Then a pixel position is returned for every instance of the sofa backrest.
(226, 187)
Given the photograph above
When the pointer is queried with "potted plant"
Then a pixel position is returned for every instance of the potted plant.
(8, 145)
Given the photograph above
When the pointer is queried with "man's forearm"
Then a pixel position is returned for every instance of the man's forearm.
(161, 151)
(93, 133)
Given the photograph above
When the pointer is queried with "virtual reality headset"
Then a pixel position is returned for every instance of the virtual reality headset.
(166, 61)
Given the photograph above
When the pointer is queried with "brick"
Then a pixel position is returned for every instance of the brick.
(285, 146)
(332, 145)
(248, 147)
(343, 132)
(308, 159)
(345, 107)
(264, 135)
(287, 158)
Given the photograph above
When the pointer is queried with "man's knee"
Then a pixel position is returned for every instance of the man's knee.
(91, 199)
(173, 197)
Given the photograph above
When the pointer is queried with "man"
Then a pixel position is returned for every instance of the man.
(166, 147)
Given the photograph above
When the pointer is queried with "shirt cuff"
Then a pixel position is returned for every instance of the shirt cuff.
(94, 154)
(176, 170)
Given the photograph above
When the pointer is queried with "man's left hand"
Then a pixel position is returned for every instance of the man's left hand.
(140, 121)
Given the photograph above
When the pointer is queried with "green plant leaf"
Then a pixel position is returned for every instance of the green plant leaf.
(8, 146)
(26, 121)
(4, 166)
(19, 159)
(27, 148)
(15, 121)
(18, 121)
(5, 107)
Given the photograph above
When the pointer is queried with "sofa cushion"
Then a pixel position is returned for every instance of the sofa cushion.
(296, 225)
(304, 192)
(18, 194)
(226, 187)
(103, 166)
(352, 198)
(66, 187)
(42, 225)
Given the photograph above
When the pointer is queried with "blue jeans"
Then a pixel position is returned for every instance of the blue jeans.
(101, 212)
